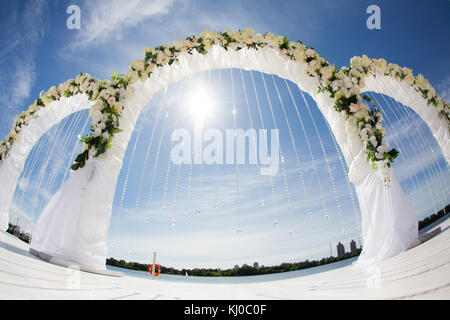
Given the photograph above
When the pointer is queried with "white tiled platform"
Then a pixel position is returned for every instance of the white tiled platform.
(422, 272)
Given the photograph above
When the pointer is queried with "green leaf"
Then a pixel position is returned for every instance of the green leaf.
(393, 153)
(80, 157)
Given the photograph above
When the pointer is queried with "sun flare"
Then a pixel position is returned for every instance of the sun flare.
(200, 103)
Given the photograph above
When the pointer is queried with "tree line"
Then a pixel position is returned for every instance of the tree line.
(244, 270)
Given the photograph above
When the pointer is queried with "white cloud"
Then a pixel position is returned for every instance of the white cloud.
(443, 88)
(22, 80)
(19, 57)
(105, 20)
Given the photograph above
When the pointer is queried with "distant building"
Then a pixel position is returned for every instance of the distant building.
(255, 265)
(352, 246)
(26, 237)
(16, 231)
(340, 249)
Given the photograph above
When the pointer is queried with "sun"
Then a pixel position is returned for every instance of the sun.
(200, 103)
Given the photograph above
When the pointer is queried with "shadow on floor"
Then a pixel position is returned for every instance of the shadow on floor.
(17, 250)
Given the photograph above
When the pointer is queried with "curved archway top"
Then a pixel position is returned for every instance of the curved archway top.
(109, 96)
(363, 68)
(82, 84)
(416, 92)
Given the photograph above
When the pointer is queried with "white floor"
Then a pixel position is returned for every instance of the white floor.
(420, 273)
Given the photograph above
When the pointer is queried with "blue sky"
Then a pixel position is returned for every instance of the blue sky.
(38, 51)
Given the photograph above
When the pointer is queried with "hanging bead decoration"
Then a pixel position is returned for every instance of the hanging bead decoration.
(239, 230)
(283, 167)
(272, 186)
(155, 167)
(300, 171)
(261, 202)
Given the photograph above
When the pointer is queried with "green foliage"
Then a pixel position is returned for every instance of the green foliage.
(284, 44)
(244, 270)
(80, 160)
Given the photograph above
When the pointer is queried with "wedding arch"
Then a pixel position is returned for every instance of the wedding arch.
(376, 75)
(75, 222)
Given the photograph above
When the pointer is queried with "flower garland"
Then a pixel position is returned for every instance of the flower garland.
(361, 67)
(362, 117)
(105, 115)
(83, 83)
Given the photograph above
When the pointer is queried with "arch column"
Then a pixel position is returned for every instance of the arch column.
(13, 165)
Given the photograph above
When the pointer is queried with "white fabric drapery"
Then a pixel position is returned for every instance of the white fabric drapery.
(388, 221)
(74, 224)
(13, 165)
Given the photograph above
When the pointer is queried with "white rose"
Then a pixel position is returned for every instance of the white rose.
(362, 84)
(138, 65)
(348, 83)
(335, 85)
(347, 93)
(310, 53)
(165, 60)
(111, 100)
(150, 68)
(178, 44)
(374, 141)
(118, 107)
(354, 107)
(96, 116)
(159, 58)
(381, 148)
(364, 134)
(97, 132)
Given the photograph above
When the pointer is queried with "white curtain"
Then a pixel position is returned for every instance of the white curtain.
(75, 222)
(12, 166)
(388, 221)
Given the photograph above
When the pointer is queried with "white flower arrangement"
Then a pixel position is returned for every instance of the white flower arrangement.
(362, 67)
(342, 85)
(82, 84)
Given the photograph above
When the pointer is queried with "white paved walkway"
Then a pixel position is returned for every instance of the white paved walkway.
(420, 273)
